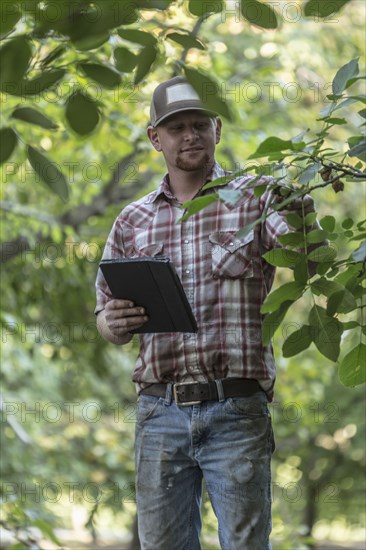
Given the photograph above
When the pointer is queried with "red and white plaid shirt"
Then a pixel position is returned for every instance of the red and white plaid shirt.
(225, 278)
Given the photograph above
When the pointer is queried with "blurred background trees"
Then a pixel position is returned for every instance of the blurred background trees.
(75, 103)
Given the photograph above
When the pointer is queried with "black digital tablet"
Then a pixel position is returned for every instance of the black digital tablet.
(152, 283)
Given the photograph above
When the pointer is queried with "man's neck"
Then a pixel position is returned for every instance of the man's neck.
(185, 185)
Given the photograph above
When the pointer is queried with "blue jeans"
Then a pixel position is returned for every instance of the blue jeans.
(227, 443)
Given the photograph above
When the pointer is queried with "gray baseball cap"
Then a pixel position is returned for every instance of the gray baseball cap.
(174, 96)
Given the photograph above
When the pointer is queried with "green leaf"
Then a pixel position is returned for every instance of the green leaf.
(353, 80)
(244, 231)
(272, 321)
(323, 8)
(105, 76)
(8, 142)
(358, 151)
(289, 291)
(125, 60)
(348, 278)
(326, 332)
(90, 42)
(106, 15)
(362, 113)
(153, 4)
(36, 85)
(325, 286)
(334, 121)
(46, 530)
(259, 190)
(341, 301)
(325, 267)
(309, 173)
(14, 60)
(258, 13)
(322, 254)
(49, 172)
(53, 55)
(195, 205)
(297, 342)
(145, 60)
(282, 257)
(310, 218)
(346, 103)
(347, 223)
(359, 255)
(32, 116)
(138, 37)
(328, 223)
(350, 325)
(186, 40)
(208, 91)
(275, 145)
(292, 239)
(202, 8)
(294, 220)
(334, 301)
(9, 17)
(352, 370)
(354, 140)
(301, 273)
(343, 75)
(316, 236)
(82, 113)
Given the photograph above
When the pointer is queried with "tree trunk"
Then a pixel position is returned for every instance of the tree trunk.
(310, 511)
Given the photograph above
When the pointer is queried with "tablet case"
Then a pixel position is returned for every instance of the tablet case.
(152, 283)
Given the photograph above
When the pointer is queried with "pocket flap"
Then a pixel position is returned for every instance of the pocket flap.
(229, 241)
(154, 249)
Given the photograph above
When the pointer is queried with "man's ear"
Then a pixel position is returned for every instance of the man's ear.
(153, 137)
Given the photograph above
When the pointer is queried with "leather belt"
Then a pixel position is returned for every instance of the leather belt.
(193, 393)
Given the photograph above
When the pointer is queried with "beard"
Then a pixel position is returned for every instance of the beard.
(194, 163)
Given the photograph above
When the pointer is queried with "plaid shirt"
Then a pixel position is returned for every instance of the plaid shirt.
(225, 279)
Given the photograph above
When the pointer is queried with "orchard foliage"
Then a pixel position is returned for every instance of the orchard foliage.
(338, 290)
(48, 44)
(76, 79)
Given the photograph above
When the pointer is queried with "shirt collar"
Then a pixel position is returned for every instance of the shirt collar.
(164, 187)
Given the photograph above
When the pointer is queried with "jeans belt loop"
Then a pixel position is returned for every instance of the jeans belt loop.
(220, 390)
(168, 394)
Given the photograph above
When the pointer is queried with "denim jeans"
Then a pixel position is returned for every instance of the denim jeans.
(227, 443)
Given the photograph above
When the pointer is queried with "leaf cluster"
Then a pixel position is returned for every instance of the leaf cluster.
(311, 247)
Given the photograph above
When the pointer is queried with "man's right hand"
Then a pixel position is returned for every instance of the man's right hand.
(118, 319)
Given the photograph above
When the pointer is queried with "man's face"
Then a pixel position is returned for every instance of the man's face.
(187, 140)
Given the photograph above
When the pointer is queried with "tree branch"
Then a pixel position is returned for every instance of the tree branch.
(194, 33)
(112, 193)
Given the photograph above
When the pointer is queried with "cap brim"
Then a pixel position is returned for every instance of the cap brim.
(176, 111)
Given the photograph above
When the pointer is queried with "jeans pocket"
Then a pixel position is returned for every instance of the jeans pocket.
(147, 405)
(248, 407)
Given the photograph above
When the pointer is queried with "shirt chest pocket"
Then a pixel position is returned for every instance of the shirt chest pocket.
(231, 257)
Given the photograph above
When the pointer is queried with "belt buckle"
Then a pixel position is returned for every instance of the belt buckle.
(176, 396)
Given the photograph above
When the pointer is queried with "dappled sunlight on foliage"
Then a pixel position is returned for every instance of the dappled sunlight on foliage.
(74, 152)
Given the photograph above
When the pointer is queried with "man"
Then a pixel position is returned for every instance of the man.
(202, 405)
